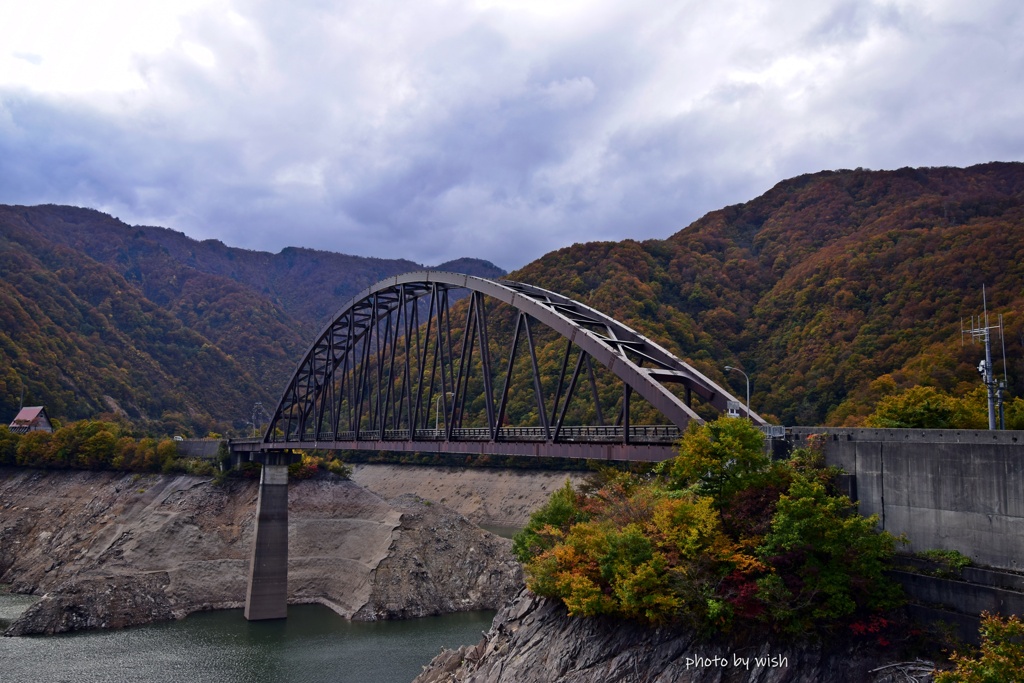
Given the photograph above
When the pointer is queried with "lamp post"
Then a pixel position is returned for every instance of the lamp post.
(437, 406)
(729, 368)
(258, 415)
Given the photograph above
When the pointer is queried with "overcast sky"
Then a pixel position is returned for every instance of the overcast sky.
(501, 129)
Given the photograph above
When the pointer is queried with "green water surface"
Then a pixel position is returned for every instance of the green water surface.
(312, 645)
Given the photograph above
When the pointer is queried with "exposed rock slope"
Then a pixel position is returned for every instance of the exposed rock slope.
(484, 496)
(533, 640)
(111, 550)
(435, 547)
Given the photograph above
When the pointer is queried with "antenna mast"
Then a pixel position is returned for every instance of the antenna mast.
(980, 330)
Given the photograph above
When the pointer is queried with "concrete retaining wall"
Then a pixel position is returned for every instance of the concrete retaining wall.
(947, 489)
(960, 596)
(208, 449)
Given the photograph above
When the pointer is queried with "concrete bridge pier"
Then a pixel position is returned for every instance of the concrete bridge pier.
(267, 596)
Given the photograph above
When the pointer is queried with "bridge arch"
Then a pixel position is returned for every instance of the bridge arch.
(378, 376)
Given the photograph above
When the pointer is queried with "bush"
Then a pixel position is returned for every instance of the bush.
(928, 408)
(338, 468)
(311, 464)
(951, 562)
(305, 468)
(1001, 659)
(8, 446)
(721, 538)
(547, 524)
(829, 561)
(719, 458)
(193, 466)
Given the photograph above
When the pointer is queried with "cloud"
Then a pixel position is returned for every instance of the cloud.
(501, 130)
(33, 59)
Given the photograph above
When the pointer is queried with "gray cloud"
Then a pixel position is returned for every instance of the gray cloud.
(434, 131)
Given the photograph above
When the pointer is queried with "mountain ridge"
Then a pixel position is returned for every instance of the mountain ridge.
(257, 310)
(830, 290)
(824, 284)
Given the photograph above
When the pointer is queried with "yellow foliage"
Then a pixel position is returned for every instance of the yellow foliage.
(645, 592)
(582, 595)
(688, 527)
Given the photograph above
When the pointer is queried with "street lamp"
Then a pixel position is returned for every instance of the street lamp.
(437, 406)
(258, 415)
(729, 368)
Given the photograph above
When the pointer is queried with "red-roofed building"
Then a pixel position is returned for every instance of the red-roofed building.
(32, 419)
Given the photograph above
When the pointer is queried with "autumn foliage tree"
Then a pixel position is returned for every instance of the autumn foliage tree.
(925, 407)
(721, 538)
(95, 445)
(1001, 659)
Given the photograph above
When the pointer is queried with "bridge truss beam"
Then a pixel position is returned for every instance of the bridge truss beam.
(403, 367)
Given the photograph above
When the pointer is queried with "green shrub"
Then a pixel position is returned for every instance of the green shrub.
(556, 516)
(830, 561)
(338, 468)
(719, 458)
(8, 446)
(951, 562)
(195, 466)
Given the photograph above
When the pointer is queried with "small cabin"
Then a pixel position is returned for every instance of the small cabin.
(32, 419)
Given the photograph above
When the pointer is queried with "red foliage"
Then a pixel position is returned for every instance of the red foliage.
(741, 592)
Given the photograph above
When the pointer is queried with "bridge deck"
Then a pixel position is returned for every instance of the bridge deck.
(644, 444)
(589, 451)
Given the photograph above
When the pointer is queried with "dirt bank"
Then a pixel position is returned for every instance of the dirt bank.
(491, 497)
(111, 550)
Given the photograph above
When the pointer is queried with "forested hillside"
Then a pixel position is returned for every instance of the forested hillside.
(101, 317)
(80, 339)
(830, 290)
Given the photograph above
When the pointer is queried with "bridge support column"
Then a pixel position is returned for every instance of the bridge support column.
(267, 597)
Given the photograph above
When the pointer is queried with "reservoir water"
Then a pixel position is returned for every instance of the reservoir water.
(312, 645)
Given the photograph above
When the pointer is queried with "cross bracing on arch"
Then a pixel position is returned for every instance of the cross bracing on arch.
(450, 362)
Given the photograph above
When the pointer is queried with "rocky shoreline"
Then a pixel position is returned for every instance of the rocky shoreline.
(108, 550)
(533, 640)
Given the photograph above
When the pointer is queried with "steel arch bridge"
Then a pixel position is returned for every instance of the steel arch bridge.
(443, 362)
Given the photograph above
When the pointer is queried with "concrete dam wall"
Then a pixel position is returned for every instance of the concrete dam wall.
(944, 488)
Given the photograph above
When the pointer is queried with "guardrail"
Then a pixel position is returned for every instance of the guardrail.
(648, 434)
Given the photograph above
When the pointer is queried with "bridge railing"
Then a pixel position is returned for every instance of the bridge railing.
(647, 434)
